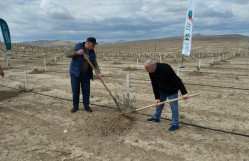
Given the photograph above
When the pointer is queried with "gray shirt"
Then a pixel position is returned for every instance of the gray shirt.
(85, 65)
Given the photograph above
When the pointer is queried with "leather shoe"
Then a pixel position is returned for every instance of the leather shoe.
(153, 120)
(88, 109)
(173, 127)
(74, 109)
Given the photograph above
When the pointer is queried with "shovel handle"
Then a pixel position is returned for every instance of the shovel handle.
(96, 72)
(176, 99)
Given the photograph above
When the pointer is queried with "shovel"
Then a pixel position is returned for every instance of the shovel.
(101, 79)
(176, 99)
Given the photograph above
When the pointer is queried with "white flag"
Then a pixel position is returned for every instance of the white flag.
(188, 29)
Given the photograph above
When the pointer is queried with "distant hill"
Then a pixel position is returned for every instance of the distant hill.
(200, 43)
(118, 43)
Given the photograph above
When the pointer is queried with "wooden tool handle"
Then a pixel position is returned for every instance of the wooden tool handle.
(86, 57)
(176, 99)
(97, 73)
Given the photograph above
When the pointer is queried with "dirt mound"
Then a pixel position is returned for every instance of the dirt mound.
(36, 71)
(116, 62)
(9, 94)
(224, 60)
(115, 123)
(217, 63)
(130, 69)
(196, 73)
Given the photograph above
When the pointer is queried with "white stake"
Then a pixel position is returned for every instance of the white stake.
(127, 85)
(26, 81)
(55, 59)
(8, 66)
(137, 62)
(45, 67)
(160, 59)
(178, 71)
(199, 64)
(212, 61)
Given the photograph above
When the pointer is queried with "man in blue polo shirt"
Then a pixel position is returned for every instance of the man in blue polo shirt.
(81, 72)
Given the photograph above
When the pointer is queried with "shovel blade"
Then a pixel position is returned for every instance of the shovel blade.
(133, 111)
(116, 103)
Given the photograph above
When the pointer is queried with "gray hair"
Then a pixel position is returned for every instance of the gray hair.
(150, 63)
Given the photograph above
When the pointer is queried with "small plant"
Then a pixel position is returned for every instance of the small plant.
(182, 116)
(21, 87)
(237, 77)
(125, 102)
(211, 64)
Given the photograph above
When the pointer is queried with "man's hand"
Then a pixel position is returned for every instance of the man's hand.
(98, 76)
(157, 102)
(80, 52)
(186, 96)
(2, 73)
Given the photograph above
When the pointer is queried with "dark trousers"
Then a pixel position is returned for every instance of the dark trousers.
(84, 82)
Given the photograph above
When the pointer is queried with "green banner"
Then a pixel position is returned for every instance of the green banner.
(6, 34)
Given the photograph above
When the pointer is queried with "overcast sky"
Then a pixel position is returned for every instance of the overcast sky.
(115, 20)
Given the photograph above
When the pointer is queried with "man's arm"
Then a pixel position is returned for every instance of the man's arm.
(96, 65)
(177, 81)
(155, 88)
(97, 68)
(72, 53)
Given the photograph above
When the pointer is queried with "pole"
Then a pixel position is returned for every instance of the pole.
(178, 71)
(8, 66)
(128, 85)
(137, 62)
(45, 67)
(26, 81)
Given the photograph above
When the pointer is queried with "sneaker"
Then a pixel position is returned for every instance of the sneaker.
(173, 127)
(88, 109)
(74, 109)
(153, 120)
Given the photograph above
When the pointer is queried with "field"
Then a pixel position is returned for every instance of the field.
(38, 124)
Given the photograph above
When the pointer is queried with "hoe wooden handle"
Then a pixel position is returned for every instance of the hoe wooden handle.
(100, 78)
(96, 72)
(179, 98)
